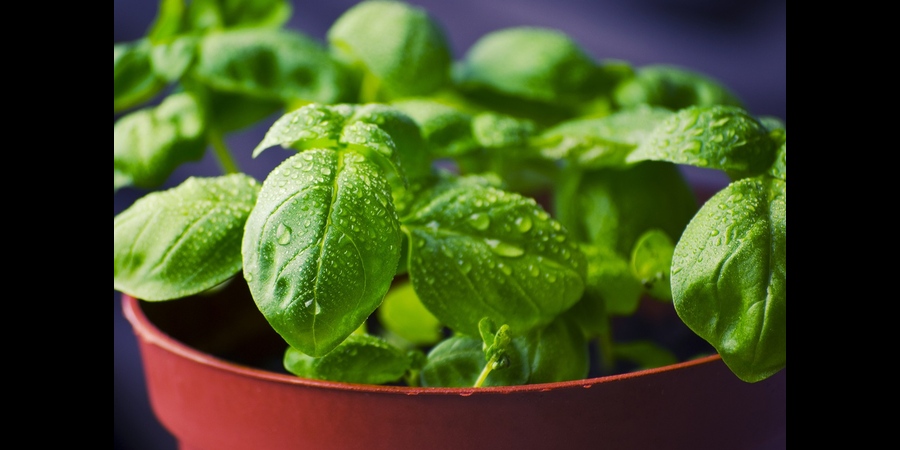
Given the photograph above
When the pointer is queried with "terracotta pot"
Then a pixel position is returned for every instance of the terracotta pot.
(239, 400)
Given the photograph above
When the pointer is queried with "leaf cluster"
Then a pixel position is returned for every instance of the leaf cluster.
(410, 195)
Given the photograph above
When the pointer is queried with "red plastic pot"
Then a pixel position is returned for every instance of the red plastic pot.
(228, 402)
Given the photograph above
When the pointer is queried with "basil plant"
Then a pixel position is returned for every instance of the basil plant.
(480, 221)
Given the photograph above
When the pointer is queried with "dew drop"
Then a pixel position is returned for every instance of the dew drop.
(479, 221)
(523, 224)
(504, 249)
(283, 234)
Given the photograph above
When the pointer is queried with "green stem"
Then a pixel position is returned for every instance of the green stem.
(223, 153)
(484, 372)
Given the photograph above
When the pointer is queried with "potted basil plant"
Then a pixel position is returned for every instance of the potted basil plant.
(450, 241)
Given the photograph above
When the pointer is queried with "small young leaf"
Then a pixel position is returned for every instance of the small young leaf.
(459, 360)
(148, 144)
(480, 252)
(178, 242)
(717, 137)
(651, 261)
(361, 359)
(403, 314)
(728, 276)
(398, 49)
(172, 59)
(134, 79)
(322, 218)
(673, 88)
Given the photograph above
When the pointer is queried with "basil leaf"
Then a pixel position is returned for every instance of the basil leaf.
(673, 88)
(398, 50)
(458, 361)
(311, 126)
(651, 261)
(481, 252)
(446, 130)
(271, 64)
(728, 276)
(610, 279)
(181, 241)
(150, 143)
(198, 17)
(557, 352)
(361, 359)
(171, 60)
(532, 63)
(613, 207)
(717, 137)
(322, 218)
(134, 79)
(403, 314)
(600, 142)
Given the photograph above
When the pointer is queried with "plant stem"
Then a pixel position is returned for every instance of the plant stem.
(605, 347)
(223, 153)
(484, 372)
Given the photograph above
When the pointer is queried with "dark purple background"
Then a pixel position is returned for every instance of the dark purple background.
(741, 43)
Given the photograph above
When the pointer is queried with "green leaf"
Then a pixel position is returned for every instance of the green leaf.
(600, 142)
(270, 64)
(361, 359)
(311, 126)
(481, 252)
(458, 361)
(403, 314)
(398, 50)
(181, 241)
(532, 63)
(150, 143)
(494, 130)
(446, 130)
(673, 88)
(651, 261)
(717, 137)
(198, 17)
(134, 79)
(171, 60)
(557, 352)
(610, 280)
(322, 218)
(613, 207)
(728, 276)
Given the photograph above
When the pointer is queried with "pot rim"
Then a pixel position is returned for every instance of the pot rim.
(150, 333)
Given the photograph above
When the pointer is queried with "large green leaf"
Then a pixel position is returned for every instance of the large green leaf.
(479, 252)
(398, 50)
(717, 137)
(178, 242)
(321, 247)
(270, 64)
(728, 276)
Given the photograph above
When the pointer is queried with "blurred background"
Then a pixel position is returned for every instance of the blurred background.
(742, 44)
